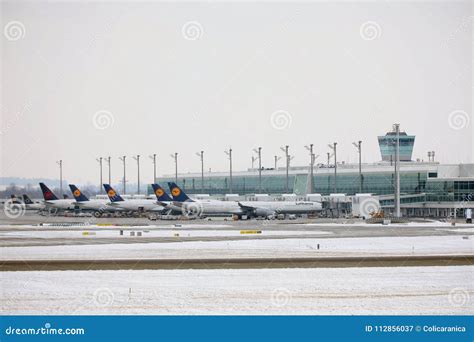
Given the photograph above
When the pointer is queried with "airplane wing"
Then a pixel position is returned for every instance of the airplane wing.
(246, 207)
(163, 204)
(259, 211)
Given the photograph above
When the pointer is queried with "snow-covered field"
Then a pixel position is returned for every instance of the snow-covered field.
(432, 224)
(115, 233)
(293, 247)
(397, 290)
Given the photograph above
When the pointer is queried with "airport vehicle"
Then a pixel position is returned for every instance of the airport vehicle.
(266, 209)
(140, 205)
(98, 206)
(51, 201)
(30, 205)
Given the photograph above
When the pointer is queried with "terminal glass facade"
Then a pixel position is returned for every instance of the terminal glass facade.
(415, 186)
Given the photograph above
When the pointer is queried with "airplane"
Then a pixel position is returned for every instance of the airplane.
(116, 201)
(202, 207)
(265, 209)
(98, 206)
(30, 205)
(52, 201)
(273, 208)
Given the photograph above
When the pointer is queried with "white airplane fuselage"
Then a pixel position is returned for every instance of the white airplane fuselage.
(285, 207)
(95, 204)
(65, 204)
(137, 205)
(210, 207)
(252, 208)
(35, 206)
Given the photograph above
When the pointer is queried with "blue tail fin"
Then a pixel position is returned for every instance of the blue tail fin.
(26, 199)
(160, 193)
(178, 194)
(47, 193)
(113, 195)
(78, 195)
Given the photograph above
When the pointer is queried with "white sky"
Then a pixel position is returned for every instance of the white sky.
(167, 93)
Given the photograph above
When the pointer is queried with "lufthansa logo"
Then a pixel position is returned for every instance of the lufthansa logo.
(159, 192)
(111, 193)
(175, 192)
(77, 193)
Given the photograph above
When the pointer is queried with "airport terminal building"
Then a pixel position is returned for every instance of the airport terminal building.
(428, 189)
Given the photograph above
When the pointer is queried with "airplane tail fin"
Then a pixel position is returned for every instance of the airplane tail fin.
(161, 194)
(178, 194)
(78, 195)
(48, 195)
(113, 195)
(26, 199)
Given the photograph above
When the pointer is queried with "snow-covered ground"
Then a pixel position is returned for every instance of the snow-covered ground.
(358, 291)
(232, 224)
(293, 247)
(432, 224)
(60, 226)
(115, 233)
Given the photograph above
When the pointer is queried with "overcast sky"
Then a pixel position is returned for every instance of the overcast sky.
(82, 80)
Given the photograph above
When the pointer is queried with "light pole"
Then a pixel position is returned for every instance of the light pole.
(397, 169)
(153, 157)
(99, 160)
(60, 163)
(110, 172)
(287, 156)
(358, 146)
(175, 157)
(313, 161)
(124, 188)
(311, 164)
(333, 147)
(201, 155)
(259, 153)
(229, 154)
(276, 161)
(137, 158)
